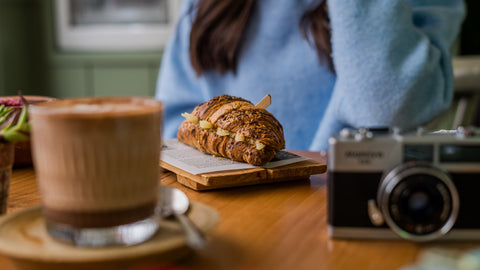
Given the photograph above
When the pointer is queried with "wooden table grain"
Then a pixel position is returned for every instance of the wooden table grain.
(266, 227)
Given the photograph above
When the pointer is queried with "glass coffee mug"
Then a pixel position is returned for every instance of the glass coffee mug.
(97, 165)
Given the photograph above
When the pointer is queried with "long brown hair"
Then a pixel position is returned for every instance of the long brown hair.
(219, 26)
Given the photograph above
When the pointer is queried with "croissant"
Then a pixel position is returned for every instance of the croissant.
(234, 128)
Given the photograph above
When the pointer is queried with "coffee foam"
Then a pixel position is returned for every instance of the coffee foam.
(98, 108)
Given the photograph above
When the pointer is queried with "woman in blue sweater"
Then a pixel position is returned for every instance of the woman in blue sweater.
(327, 64)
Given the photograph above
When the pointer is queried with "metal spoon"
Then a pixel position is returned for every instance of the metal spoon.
(175, 202)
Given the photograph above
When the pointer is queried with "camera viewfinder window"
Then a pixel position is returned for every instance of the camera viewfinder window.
(418, 152)
(459, 153)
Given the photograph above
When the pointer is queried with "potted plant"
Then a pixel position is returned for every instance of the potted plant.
(14, 128)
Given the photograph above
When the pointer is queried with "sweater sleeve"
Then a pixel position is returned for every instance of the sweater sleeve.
(177, 84)
(393, 60)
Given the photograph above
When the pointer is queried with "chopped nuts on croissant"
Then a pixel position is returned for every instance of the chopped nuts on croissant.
(205, 124)
(259, 145)
(190, 117)
(223, 132)
(239, 137)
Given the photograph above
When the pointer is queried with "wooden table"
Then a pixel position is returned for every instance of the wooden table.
(272, 226)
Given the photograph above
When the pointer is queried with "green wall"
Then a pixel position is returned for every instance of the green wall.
(30, 60)
(21, 48)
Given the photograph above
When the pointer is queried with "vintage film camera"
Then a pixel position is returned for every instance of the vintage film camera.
(420, 186)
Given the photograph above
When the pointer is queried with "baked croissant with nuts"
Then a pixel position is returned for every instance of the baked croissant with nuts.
(234, 128)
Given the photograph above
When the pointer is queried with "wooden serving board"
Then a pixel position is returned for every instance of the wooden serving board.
(234, 178)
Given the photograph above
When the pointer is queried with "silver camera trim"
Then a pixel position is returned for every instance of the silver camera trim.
(395, 176)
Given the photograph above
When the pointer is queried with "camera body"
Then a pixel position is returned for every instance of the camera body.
(383, 184)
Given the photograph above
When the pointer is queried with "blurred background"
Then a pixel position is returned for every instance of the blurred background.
(73, 48)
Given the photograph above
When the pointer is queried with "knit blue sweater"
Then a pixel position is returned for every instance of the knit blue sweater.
(392, 63)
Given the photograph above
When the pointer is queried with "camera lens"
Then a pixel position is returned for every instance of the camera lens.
(420, 204)
(419, 201)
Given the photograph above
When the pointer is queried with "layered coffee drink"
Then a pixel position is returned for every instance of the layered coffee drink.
(97, 160)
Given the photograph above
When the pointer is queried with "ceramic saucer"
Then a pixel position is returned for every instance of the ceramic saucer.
(24, 240)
